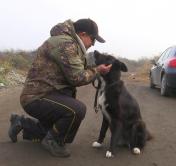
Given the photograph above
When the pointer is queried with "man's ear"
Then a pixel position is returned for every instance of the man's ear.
(123, 67)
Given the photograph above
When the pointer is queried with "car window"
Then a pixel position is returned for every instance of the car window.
(172, 53)
(164, 55)
(161, 57)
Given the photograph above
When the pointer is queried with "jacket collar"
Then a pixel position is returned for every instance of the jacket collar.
(81, 44)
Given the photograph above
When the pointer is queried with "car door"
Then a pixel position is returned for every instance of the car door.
(158, 67)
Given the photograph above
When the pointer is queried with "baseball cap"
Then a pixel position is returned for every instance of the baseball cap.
(88, 26)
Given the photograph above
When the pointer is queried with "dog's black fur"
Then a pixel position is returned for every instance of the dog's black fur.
(125, 121)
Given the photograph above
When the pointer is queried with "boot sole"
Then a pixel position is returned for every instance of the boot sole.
(46, 147)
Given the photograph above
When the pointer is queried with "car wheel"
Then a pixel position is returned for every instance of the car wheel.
(152, 85)
(164, 87)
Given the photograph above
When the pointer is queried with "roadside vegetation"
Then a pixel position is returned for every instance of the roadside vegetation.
(15, 64)
(138, 70)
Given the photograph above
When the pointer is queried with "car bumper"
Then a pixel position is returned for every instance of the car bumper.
(171, 80)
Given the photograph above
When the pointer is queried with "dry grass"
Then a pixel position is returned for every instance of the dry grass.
(138, 70)
(14, 63)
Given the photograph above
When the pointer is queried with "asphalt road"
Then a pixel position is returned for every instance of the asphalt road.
(158, 112)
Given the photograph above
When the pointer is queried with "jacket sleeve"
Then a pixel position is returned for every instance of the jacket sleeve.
(73, 65)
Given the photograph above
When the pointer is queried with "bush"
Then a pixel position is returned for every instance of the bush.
(5, 67)
(18, 59)
(19, 62)
(3, 80)
(14, 62)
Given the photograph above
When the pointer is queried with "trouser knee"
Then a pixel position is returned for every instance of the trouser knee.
(81, 111)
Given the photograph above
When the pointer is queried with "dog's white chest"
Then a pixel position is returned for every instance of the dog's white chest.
(102, 100)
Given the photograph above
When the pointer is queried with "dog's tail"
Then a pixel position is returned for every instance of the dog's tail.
(149, 135)
(140, 126)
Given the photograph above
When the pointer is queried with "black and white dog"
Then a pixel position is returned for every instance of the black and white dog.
(121, 112)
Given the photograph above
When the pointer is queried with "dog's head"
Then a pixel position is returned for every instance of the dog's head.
(108, 59)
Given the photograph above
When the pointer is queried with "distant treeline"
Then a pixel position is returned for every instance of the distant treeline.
(17, 59)
(20, 59)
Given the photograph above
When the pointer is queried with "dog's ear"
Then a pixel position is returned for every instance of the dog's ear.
(123, 67)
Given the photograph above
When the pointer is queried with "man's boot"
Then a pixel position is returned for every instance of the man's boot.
(56, 148)
(15, 126)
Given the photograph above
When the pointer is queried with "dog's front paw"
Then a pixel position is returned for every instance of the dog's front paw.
(96, 145)
(136, 151)
(109, 154)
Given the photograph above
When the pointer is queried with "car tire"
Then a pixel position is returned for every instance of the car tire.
(164, 87)
(152, 85)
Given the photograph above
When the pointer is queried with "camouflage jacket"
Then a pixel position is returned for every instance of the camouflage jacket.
(60, 62)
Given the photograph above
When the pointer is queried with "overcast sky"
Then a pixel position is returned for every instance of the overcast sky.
(132, 28)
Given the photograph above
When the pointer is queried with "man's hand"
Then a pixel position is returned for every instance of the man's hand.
(104, 69)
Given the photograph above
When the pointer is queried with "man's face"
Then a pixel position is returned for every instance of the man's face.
(87, 39)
